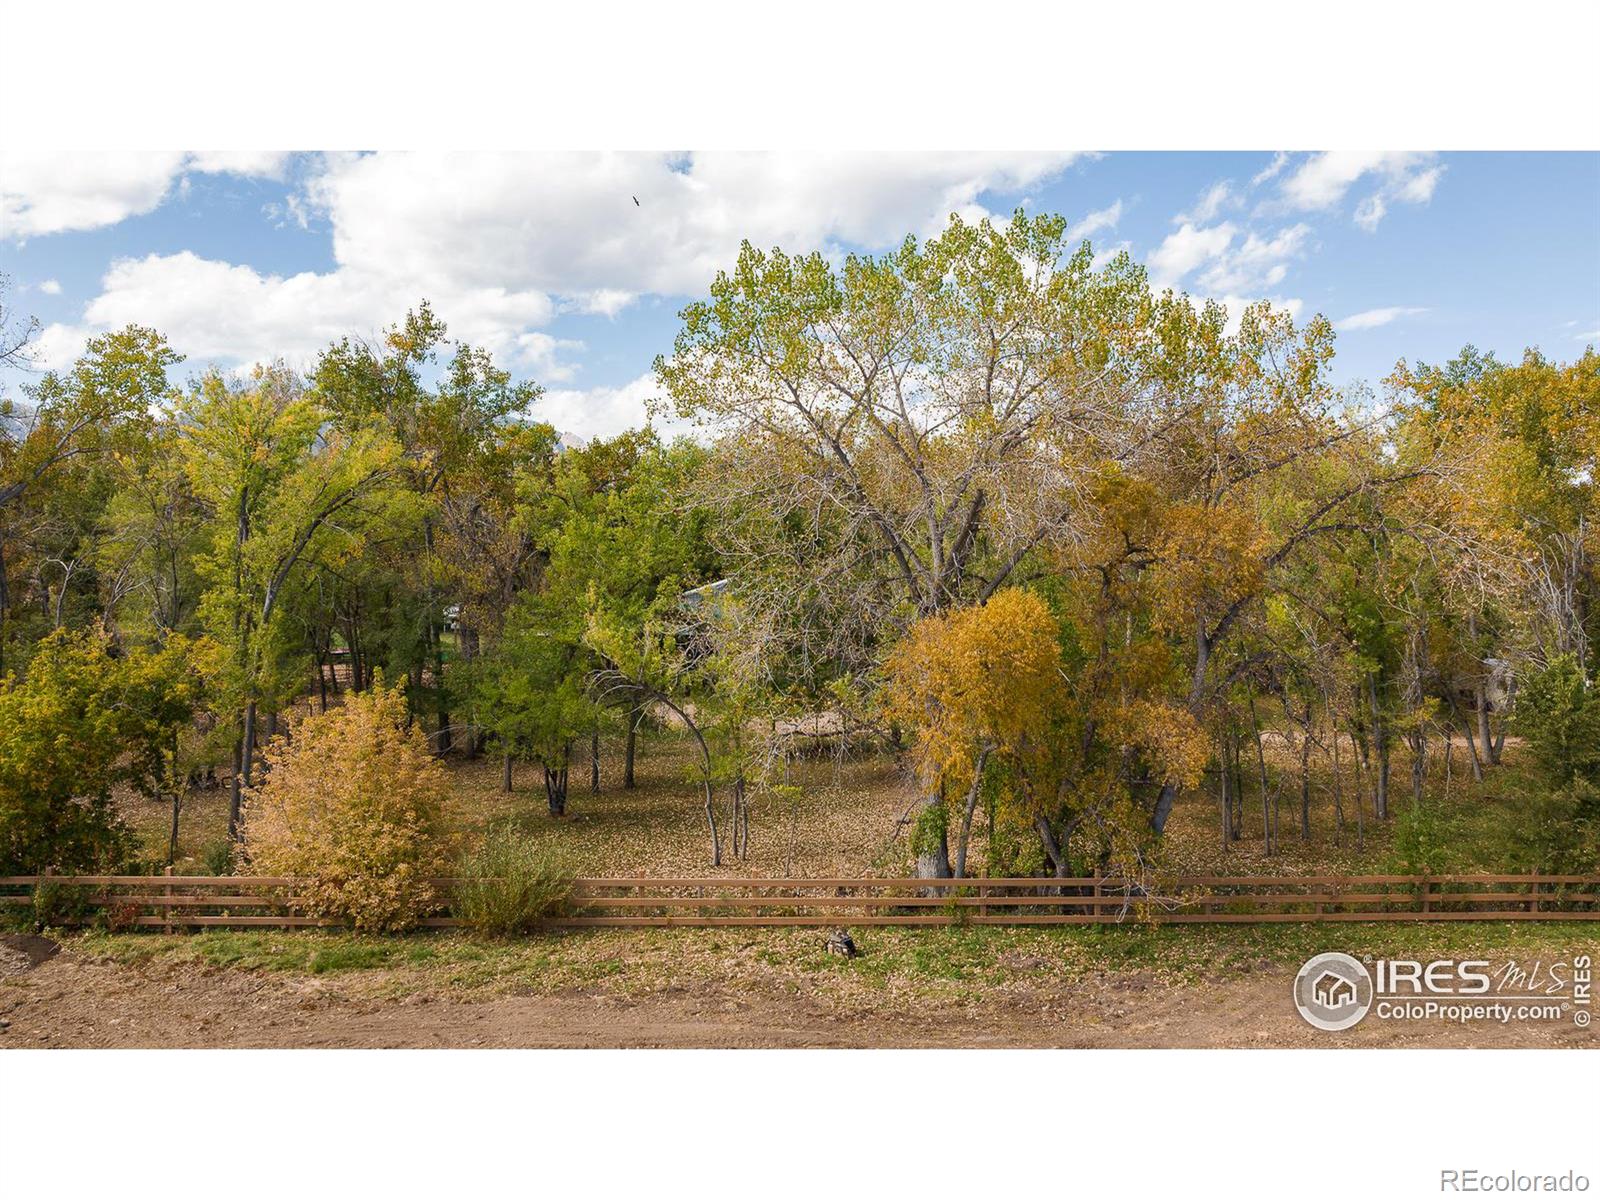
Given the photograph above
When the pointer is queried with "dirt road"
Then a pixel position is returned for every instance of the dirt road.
(71, 1000)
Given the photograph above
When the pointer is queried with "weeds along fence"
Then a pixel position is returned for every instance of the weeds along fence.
(177, 902)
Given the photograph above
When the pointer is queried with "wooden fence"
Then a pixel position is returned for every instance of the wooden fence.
(173, 902)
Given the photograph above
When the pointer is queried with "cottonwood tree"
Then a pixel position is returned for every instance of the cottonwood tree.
(896, 435)
(1516, 509)
(1257, 463)
(280, 485)
(462, 438)
(105, 398)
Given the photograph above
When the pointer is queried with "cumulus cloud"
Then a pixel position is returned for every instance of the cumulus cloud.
(1105, 218)
(42, 194)
(1225, 262)
(256, 164)
(501, 243)
(606, 411)
(1212, 202)
(51, 287)
(568, 224)
(1374, 318)
(1257, 263)
(221, 311)
(1185, 249)
(1322, 181)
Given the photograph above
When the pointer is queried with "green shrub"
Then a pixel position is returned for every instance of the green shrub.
(1558, 711)
(1421, 842)
(218, 858)
(56, 904)
(510, 886)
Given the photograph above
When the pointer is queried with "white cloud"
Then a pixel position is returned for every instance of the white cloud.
(501, 243)
(1187, 248)
(1212, 201)
(52, 193)
(257, 164)
(606, 411)
(568, 224)
(1373, 318)
(1235, 306)
(1271, 170)
(51, 287)
(1258, 264)
(1104, 218)
(58, 345)
(41, 194)
(1104, 255)
(1322, 181)
(219, 311)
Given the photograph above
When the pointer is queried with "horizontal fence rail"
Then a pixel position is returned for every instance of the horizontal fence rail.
(174, 902)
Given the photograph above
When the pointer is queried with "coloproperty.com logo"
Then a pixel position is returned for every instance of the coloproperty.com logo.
(1336, 991)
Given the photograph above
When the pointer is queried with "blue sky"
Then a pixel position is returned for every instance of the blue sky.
(546, 259)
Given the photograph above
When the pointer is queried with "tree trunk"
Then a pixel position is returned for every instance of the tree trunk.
(172, 841)
(594, 762)
(1419, 763)
(1224, 786)
(1305, 780)
(711, 823)
(1267, 823)
(5, 602)
(634, 717)
(1165, 799)
(555, 790)
(1236, 822)
(966, 817)
(933, 854)
(234, 791)
(505, 778)
(1380, 743)
(1338, 776)
(249, 743)
(1480, 704)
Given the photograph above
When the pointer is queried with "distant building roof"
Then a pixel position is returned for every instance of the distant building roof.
(705, 593)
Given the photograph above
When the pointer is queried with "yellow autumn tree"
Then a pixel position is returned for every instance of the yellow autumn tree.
(351, 808)
(970, 685)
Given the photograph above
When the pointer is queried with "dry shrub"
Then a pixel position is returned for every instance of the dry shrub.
(351, 805)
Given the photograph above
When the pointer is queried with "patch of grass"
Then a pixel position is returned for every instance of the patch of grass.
(898, 968)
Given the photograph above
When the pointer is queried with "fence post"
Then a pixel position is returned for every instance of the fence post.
(1427, 895)
(167, 928)
(1534, 887)
(983, 893)
(1099, 910)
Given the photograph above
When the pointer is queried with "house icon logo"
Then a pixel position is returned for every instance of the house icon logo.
(1333, 991)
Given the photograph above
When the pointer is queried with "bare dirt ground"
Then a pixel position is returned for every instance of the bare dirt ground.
(72, 999)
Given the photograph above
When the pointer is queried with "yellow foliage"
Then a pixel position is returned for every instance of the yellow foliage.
(1170, 737)
(352, 805)
(979, 678)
